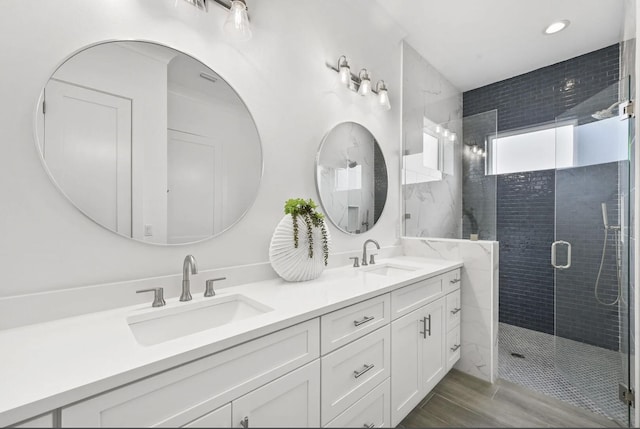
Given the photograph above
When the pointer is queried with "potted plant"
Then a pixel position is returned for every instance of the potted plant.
(299, 247)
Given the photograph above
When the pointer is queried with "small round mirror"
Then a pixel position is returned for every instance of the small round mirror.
(149, 142)
(351, 176)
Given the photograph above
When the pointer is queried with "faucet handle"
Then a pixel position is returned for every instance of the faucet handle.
(372, 260)
(208, 290)
(356, 264)
(158, 296)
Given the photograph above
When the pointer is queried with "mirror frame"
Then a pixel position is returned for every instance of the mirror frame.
(317, 179)
(37, 135)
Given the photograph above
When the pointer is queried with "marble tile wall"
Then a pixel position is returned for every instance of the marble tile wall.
(434, 208)
(479, 295)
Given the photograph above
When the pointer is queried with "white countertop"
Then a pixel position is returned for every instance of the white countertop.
(48, 365)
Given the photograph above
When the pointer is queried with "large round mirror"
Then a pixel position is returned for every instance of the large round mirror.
(351, 176)
(149, 142)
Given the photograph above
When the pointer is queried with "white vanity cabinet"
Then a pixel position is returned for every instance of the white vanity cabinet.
(364, 365)
(419, 354)
(182, 395)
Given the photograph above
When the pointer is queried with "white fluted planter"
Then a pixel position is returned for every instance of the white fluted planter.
(291, 263)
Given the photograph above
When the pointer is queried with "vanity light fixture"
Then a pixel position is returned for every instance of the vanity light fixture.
(557, 26)
(361, 83)
(237, 25)
(365, 82)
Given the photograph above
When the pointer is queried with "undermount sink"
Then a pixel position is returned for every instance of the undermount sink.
(390, 270)
(159, 325)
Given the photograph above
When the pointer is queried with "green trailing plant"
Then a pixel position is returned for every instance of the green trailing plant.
(306, 210)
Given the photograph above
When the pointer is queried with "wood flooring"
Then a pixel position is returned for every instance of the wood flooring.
(460, 400)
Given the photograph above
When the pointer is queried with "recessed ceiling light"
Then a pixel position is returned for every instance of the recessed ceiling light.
(557, 26)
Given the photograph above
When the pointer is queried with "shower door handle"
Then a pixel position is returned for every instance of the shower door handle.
(553, 255)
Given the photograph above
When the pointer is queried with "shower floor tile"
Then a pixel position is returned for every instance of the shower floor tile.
(594, 371)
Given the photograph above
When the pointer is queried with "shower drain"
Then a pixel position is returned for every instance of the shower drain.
(518, 355)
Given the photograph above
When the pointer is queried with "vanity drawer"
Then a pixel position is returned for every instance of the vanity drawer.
(347, 324)
(371, 411)
(409, 298)
(350, 372)
(183, 394)
(452, 280)
(453, 347)
(453, 309)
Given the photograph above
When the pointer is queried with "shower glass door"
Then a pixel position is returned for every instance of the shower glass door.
(591, 251)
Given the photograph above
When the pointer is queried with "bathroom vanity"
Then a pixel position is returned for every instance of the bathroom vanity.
(356, 347)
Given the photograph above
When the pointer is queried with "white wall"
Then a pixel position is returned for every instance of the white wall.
(46, 244)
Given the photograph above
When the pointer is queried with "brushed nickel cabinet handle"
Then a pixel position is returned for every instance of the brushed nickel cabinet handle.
(454, 281)
(426, 331)
(456, 347)
(366, 368)
(455, 310)
(363, 321)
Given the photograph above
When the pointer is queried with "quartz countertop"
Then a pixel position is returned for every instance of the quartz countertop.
(48, 365)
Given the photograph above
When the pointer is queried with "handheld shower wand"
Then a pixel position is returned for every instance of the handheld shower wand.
(616, 232)
(605, 220)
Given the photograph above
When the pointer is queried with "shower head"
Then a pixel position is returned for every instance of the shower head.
(605, 220)
(606, 113)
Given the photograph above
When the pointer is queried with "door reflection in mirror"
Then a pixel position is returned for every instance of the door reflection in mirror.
(149, 142)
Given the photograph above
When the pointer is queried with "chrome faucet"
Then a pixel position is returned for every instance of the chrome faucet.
(189, 264)
(364, 251)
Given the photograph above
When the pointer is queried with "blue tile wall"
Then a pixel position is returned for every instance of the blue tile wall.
(526, 203)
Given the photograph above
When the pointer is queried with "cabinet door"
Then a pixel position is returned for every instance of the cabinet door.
(432, 334)
(417, 357)
(406, 365)
(290, 401)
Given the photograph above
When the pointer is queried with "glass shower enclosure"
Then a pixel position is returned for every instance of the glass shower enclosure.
(590, 253)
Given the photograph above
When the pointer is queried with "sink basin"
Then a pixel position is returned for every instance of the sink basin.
(160, 325)
(390, 270)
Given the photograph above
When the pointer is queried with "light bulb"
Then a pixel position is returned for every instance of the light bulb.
(383, 96)
(345, 70)
(383, 100)
(445, 132)
(438, 129)
(365, 82)
(474, 149)
(452, 137)
(480, 151)
(237, 23)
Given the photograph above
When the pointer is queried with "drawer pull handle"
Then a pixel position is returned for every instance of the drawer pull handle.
(369, 425)
(455, 310)
(363, 321)
(454, 281)
(456, 347)
(426, 330)
(244, 422)
(366, 368)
